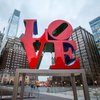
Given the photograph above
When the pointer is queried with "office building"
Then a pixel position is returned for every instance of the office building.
(95, 26)
(87, 53)
(13, 57)
(1, 37)
(11, 29)
(13, 24)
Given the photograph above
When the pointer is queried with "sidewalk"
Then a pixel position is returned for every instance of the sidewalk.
(47, 97)
(42, 97)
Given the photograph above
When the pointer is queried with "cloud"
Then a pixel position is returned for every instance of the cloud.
(78, 12)
(45, 11)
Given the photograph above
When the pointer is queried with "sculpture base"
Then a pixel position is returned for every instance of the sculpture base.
(36, 72)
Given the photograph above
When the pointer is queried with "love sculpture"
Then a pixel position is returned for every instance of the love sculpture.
(56, 38)
(57, 34)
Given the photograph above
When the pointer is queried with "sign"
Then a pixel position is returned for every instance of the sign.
(57, 37)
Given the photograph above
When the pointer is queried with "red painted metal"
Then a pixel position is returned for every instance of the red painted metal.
(58, 33)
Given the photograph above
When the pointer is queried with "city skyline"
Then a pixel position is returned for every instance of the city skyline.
(49, 49)
(77, 13)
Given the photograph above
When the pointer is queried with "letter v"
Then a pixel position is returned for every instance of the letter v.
(28, 41)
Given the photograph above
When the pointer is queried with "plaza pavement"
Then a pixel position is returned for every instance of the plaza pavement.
(42, 97)
(47, 97)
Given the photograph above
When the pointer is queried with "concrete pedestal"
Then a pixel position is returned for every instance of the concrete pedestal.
(70, 73)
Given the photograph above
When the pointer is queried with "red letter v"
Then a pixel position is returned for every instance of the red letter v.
(28, 41)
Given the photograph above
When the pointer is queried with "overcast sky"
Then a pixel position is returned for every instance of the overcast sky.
(76, 12)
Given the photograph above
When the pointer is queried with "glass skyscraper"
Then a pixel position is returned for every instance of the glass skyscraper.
(95, 26)
(11, 29)
(13, 24)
